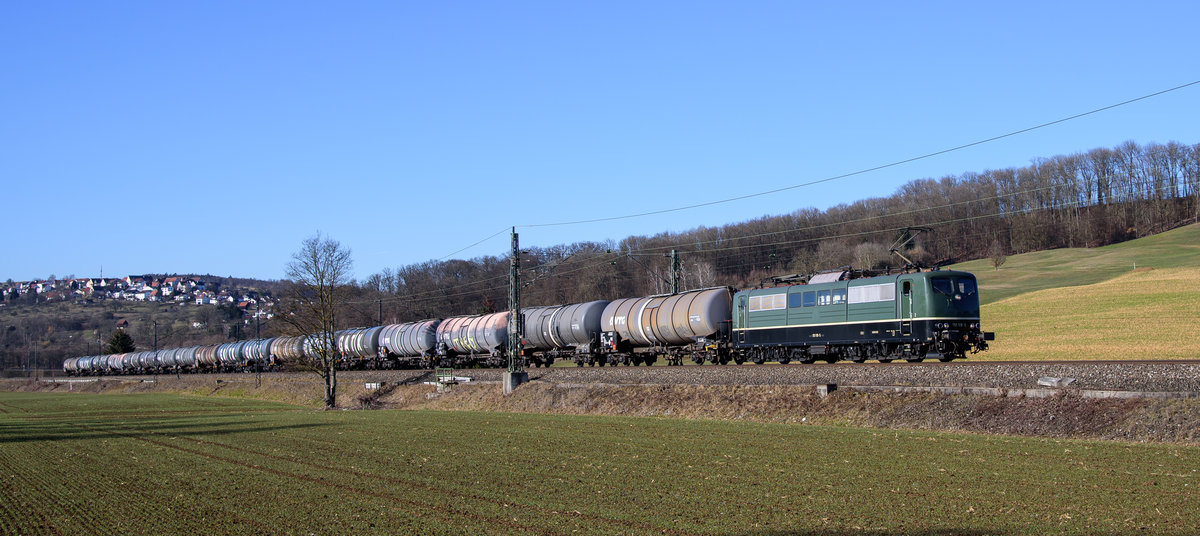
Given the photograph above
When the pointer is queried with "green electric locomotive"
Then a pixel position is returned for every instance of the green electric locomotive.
(911, 316)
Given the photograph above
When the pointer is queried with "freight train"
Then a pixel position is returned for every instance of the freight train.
(833, 316)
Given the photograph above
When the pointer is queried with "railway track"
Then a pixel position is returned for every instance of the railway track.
(1150, 376)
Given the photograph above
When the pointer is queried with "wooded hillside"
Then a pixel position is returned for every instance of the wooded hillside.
(1087, 199)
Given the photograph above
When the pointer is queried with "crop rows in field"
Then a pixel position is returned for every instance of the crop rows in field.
(75, 465)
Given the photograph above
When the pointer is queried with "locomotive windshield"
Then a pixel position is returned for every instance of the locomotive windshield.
(956, 285)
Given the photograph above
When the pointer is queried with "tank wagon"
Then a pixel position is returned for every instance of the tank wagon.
(410, 343)
(562, 332)
(462, 340)
(285, 349)
(358, 346)
(695, 324)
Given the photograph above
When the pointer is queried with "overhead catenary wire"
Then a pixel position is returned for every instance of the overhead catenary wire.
(836, 177)
(867, 170)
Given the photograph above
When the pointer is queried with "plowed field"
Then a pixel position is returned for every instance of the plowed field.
(166, 464)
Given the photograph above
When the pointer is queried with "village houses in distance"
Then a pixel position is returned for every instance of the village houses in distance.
(143, 288)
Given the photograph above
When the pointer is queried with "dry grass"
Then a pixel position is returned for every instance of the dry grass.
(1062, 416)
(1146, 314)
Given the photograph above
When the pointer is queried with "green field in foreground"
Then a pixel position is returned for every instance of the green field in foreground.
(160, 464)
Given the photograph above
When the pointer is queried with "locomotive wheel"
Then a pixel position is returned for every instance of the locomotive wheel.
(784, 361)
(739, 359)
(915, 359)
(856, 355)
(885, 360)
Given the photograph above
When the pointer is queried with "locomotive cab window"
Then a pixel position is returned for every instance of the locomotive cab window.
(950, 287)
(942, 285)
(966, 286)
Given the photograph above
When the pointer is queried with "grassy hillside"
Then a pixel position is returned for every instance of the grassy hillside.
(1078, 266)
(1145, 314)
(161, 464)
(1093, 303)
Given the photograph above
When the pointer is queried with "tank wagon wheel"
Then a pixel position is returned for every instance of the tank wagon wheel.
(739, 358)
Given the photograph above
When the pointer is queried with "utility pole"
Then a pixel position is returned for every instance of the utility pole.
(516, 374)
(674, 272)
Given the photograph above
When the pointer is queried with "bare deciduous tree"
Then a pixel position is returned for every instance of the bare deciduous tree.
(996, 254)
(320, 277)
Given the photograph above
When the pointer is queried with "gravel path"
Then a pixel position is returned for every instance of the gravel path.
(1116, 376)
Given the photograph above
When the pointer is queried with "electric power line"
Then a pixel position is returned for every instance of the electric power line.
(872, 169)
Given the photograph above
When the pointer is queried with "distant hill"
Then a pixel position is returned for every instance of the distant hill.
(1070, 267)
(1093, 303)
(1148, 313)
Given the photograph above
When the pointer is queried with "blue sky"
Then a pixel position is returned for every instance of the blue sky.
(213, 137)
